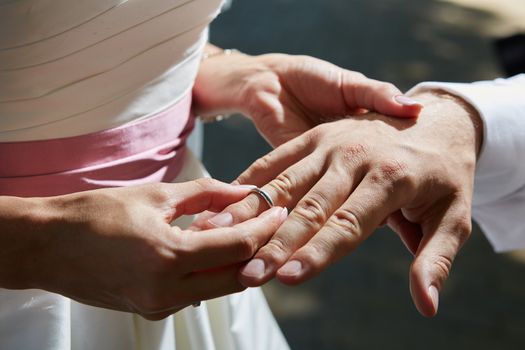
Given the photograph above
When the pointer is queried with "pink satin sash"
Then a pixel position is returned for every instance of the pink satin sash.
(146, 151)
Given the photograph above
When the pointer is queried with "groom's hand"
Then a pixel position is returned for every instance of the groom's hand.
(344, 179)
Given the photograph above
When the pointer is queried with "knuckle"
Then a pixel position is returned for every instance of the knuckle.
(443, 265)
(438, 265)
(354, 79)
(206, 183)
(346, 225)
(385, 87)
(157, 257)
(283, 184)
(159, 192)
(245, 208)
(358, 76)
(260, 165)
(182, 247)
(263, 163)
(256, 91)
(463, 228)
(255, 85)
(393, 169)
(247, 246)
(314, 255)
(314, 135)
(353, 152)
(312, 210)
(395, 173)
(275, 250)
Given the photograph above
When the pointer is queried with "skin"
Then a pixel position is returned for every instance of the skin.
(343, 179)
(132, 259)
(286, 95)
(114, 248)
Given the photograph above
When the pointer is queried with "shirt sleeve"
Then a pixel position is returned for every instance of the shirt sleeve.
(499, 188)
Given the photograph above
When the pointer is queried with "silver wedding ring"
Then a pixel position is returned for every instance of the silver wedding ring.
(263, 195)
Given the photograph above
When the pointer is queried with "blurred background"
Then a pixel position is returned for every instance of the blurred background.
(363, 302)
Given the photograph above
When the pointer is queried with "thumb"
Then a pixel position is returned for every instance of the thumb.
(409, 232)
(433, 261)
(362, 92)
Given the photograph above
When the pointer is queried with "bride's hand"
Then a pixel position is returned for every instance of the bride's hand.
(287, 95)
(115, 248)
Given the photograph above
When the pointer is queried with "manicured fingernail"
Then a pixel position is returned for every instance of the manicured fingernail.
(434, 295)
(405, 101)
(291, 268)
(254, 268)
(222, 220)
(246, 187)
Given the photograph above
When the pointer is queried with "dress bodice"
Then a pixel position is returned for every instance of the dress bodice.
(74, 67)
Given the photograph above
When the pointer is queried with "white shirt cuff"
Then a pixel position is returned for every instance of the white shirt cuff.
(499, 190)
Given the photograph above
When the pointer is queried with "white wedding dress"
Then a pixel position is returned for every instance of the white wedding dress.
(69, 68)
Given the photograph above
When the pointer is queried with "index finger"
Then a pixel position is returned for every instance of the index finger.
(225, 246)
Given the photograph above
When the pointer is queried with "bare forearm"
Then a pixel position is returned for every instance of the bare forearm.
(21, 225)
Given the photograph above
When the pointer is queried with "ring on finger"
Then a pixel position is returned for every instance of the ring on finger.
(264, 195)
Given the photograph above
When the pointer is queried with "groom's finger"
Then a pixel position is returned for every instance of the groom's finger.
(285, 190)
(286, 174)
(308, 216)
(268, 167)
(368, 205)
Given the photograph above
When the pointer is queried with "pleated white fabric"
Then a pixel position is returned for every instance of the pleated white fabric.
(72, 67)
(34, 319)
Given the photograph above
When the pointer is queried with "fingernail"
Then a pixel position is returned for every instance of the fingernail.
(221, 220)
(405, 101)
(254, 268)
(245, 187)
(291, 268)
(434, 295)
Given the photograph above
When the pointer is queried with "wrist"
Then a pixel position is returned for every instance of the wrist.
(452, 109)
(23, 223)
(214, 91)
(227, 79)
